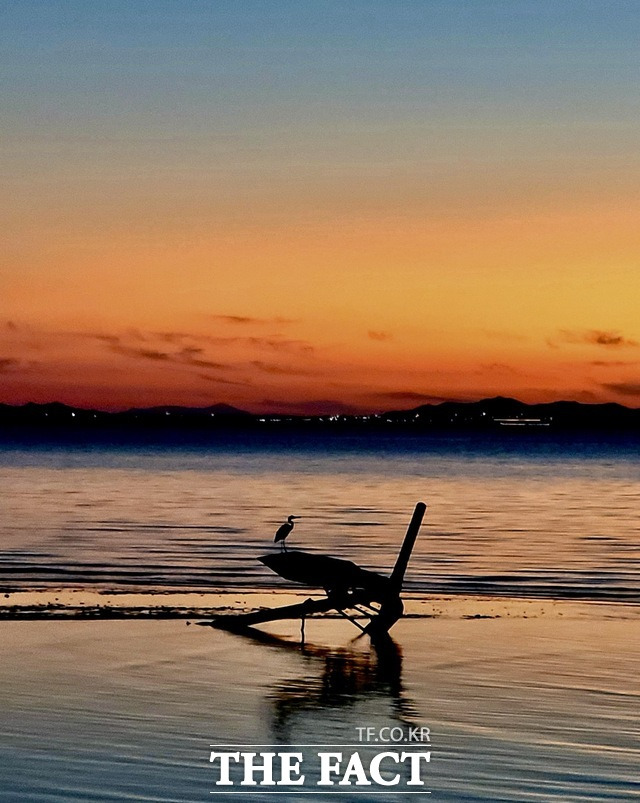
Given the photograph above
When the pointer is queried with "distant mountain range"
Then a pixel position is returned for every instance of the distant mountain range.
(489, 414)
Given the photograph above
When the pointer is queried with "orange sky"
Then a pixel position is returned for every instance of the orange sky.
(321, 245)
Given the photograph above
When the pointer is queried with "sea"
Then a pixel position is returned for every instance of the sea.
(534, 708)
(527, 513)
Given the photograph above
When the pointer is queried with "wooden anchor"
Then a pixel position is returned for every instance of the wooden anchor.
(347, 586)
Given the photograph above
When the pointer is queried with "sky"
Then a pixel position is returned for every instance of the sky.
(319, 206)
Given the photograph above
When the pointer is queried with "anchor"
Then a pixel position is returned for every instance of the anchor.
(350, 590)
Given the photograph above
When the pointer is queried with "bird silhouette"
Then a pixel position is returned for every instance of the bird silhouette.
(284, 530)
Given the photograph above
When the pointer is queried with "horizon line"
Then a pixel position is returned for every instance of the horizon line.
(317, 414)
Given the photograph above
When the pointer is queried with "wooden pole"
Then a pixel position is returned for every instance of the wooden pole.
(397, 576)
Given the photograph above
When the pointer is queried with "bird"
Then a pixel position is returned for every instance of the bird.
(284, 530)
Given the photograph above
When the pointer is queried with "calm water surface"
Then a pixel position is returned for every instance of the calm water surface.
(523, 515)
(519, 710)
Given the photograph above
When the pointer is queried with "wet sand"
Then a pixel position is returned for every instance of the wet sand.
(79, 603)
(538, 702)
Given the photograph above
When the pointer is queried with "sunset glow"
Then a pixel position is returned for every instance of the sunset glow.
(316, 207)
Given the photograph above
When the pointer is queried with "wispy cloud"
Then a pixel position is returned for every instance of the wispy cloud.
(280, 345)
(623, 388)
(140, 354)
(246, 320)
(187, 349)
(381, 337)
(611, 339)
(12, 365)
(173, 337)
(271, 343)
(182, 354)
(613, 363)
(219, 380)
(8, 364)
(284, 370)
(113, 339)
(189, 355)
(409, 396)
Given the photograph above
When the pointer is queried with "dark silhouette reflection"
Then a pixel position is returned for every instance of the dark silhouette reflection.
(334, 678)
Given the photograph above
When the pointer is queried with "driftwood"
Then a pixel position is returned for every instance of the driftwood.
(348, 588)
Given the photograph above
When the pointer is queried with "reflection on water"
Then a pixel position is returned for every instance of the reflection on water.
(519, 710)
(334, 678)
(537, 518)
(330, 692)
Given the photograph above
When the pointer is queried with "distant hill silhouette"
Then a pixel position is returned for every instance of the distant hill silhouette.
(502, 412)
(212, 410)
(494, 414)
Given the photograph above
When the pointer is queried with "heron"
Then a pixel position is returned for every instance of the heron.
(284, 530)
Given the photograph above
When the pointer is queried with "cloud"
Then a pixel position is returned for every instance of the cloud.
(381, 337)
(272, 343)
(189, 355)
(221, 381)
(623, 388)
(593, 337)
(188, 350)
(111, 339)
(271, 368)
(184, 338)
(142, 354)
(280, 345)
(245, 320)
(173, 337)
(613, 363)
(8, 364)
(410, 396)
(611, 339)
(237, 319)
(191, 351)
